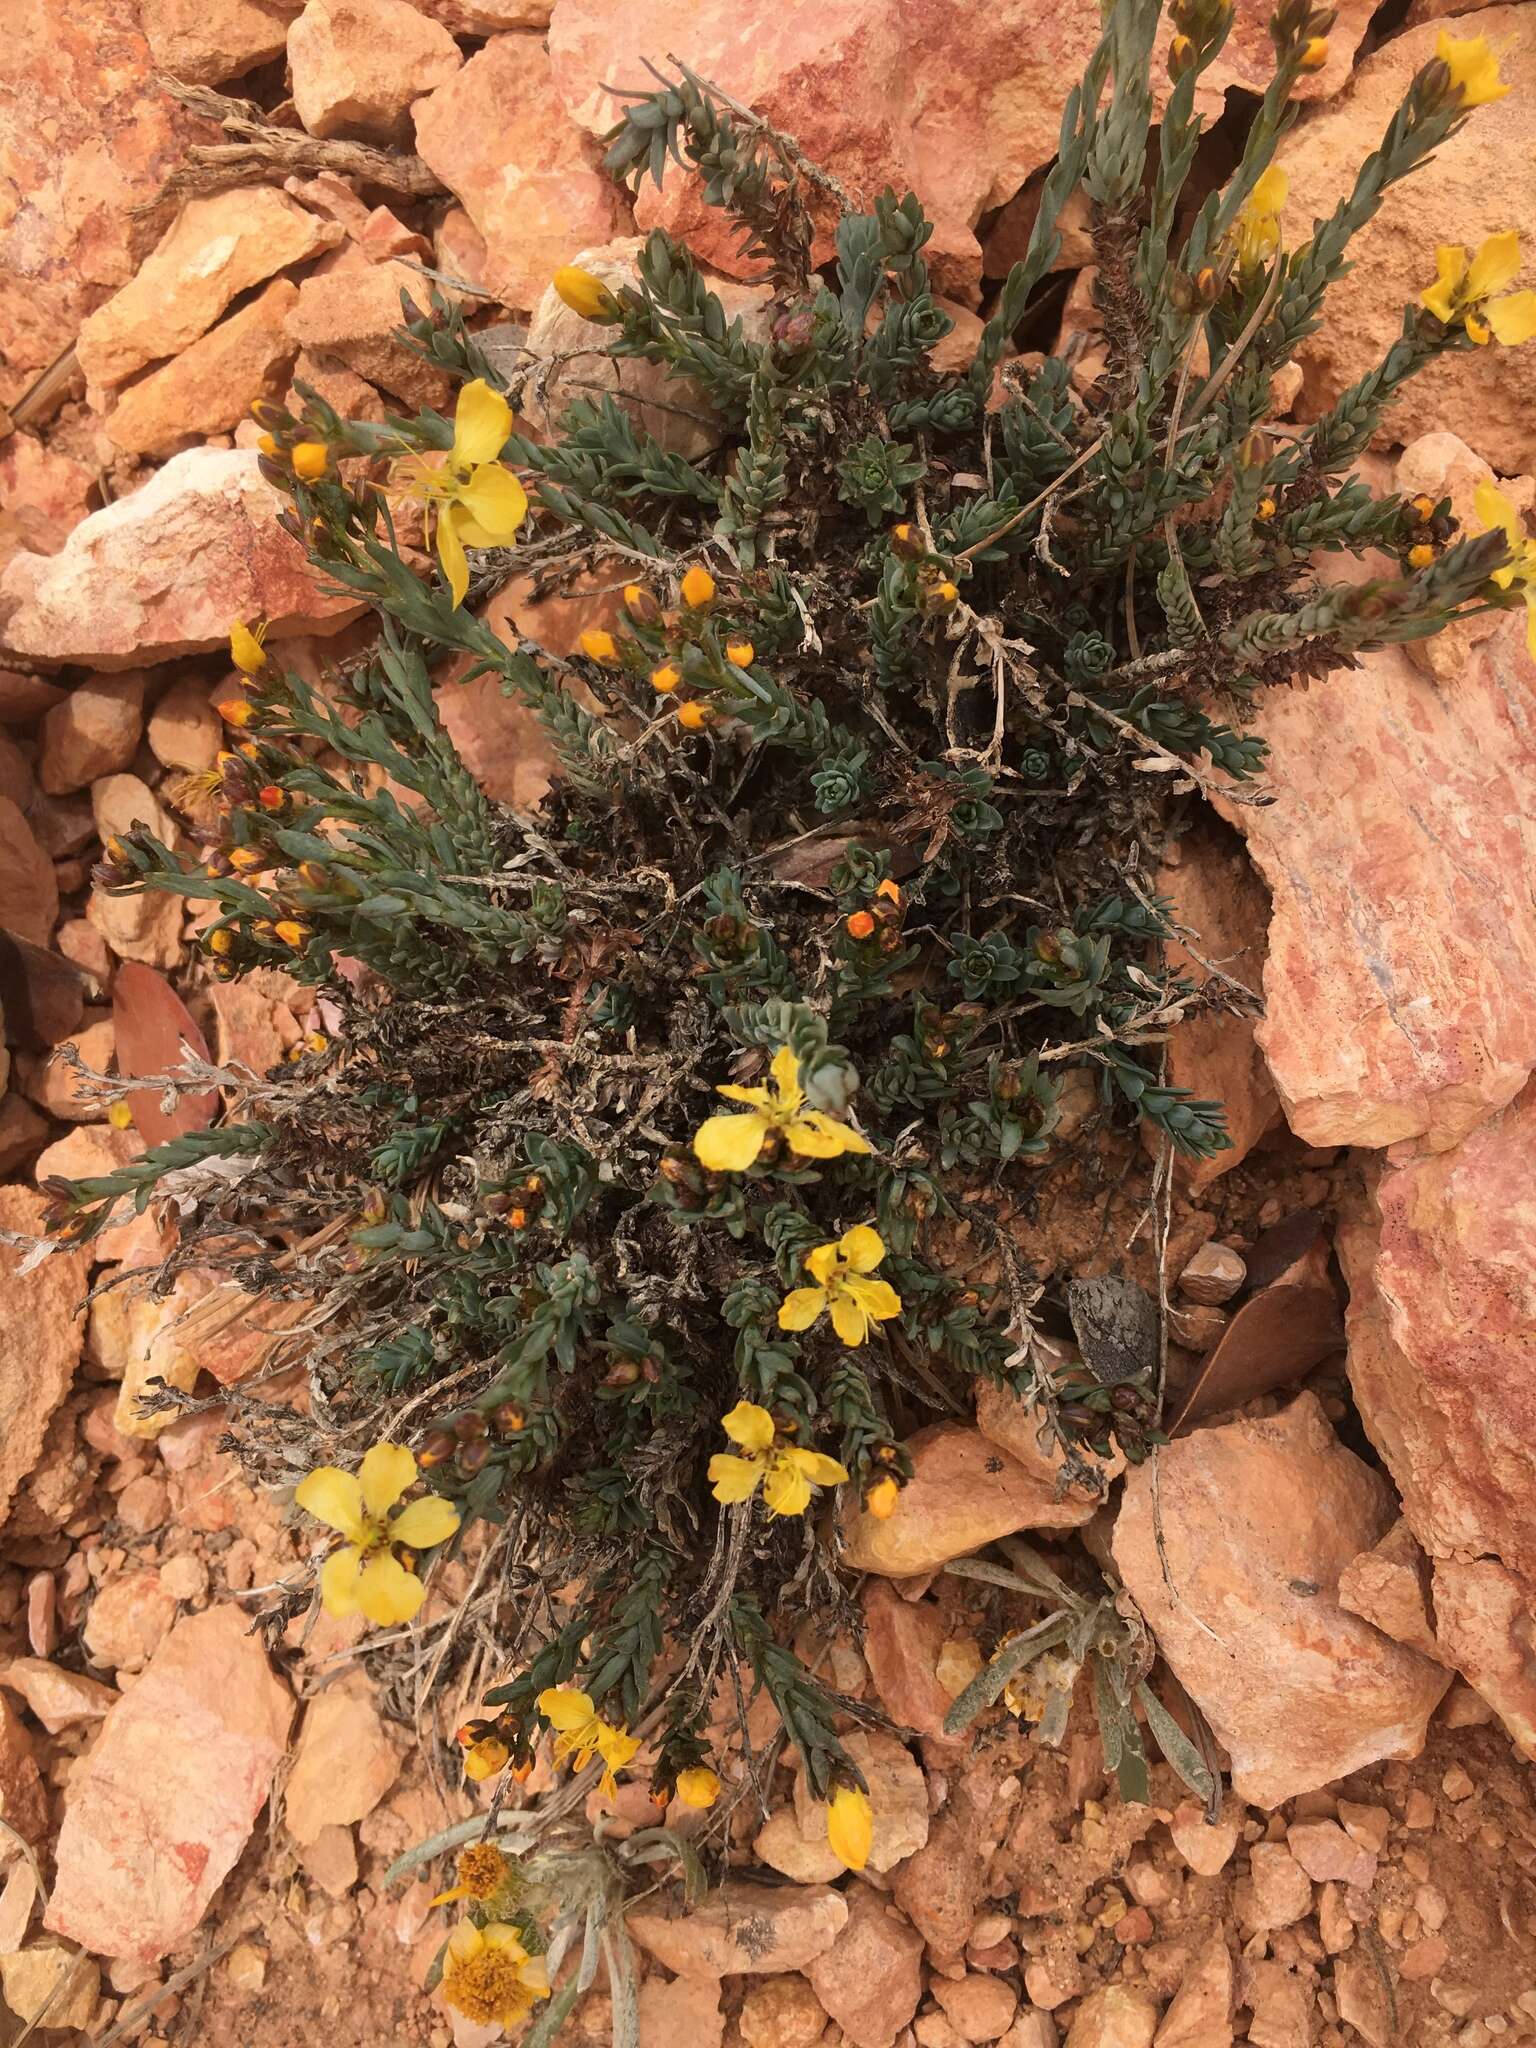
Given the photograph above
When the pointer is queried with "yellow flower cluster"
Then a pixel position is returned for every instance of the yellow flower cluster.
(474, 500)
(363, 1575)
(662, 641)
(1464, 291)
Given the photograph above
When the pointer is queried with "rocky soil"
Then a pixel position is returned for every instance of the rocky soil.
(1337, 1553)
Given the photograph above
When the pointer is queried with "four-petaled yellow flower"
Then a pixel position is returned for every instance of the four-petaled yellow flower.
(586, 294)
(1464, 291)
(490, 1977)
(730, 1144)
(1519, 574)
(840, 1272)
(364, 1575)
(246, 649)
(1474, 68)
(786, 1473)
(478, 503)
(581, 1734)
(1258, 225)
(850, 1826)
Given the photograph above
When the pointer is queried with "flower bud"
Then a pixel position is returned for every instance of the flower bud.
(586, 294)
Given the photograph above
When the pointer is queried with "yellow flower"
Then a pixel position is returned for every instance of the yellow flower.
(1519, 573)
(1463, 291)
(1474, 68)
(1315, 54)
(883, 1497)
(490, 1977)
(487, 1758)
(597, 645)
(839, 1271)
(698, 588)
(850, 1826)
(730, 1144)
(120, 1116)
(245, 646)
(478, 503)
(364, 1575)
(1258, 225)
(786, 1473)
(586, 294)
(581, 1733)
(482, 1871)
(698, 1787)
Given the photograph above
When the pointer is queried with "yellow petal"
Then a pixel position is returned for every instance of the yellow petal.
(877, 1298)
(338, 1581)
(1270, 193)
(563, 1707)
(504, 1940)
(1473, 67)
(815, 1135)
(616, 1746)
(786, 1078)
(799, 1310)
(482, 420)
(1492, 508)
(1496, 264)
(465, 1941)
(821, 1262)
(760, 1098)
(450, 552)
(849, 1320)
(786, 1490)
(819, 1468)
(496, 503)
(1513, 320)
(1440, 299)
(387, 1593)
(335, 1498)
(733, 1479)
(862, 1248)
(385, 1473)
(850, 1826)
(425, 1522)
(1530, 619)
(730, 1144)
(245, 648)
(534, 1974)
(749, 1425)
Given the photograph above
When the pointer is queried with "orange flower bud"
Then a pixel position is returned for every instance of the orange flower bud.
(219, 941)
(1421, 556)
(270, 797)
(860, 925)
(698, 588)
(120, 1116)
(741, 652)
(881, 1499)
(1315, 55)
(246, 859)
(666, 678)
(889, 892)
(291, 932)
(692, 716)
(599, 646)
(310, 460)
(237, 711)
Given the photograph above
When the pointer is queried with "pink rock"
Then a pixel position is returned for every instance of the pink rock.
(29, 889)
(212, 385)
(1114, 2017)
(872, 91)
(942, 1885)
(206, 42)
(164, 570)
(685, 2009)
(40, 1338)
(1389, 1587)
(23, 1801)
(741, 1927)
(978, 2008)
(533, 187)
(1201, 2013)
(128, 1621)
(487, 17)
(1215, 893)
(870, 1980)
(42, 1612)
(356, 66)
(1245, 1608)
(1327, 1854)
(1486, 1618)
(85, 136)
(218, 247)
(44, 493)
(674, 411)
(351, 312)
(1398, 1012)
(1206, 1846)
(964, 1492)
(161, 1808)
(1439, 1321)
(94, 731)
(1479, 181)
(185, 731)
(902, 1641)
(1013, 1425)
(59, 1698)
(1277, 1891)
(344, 1763)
